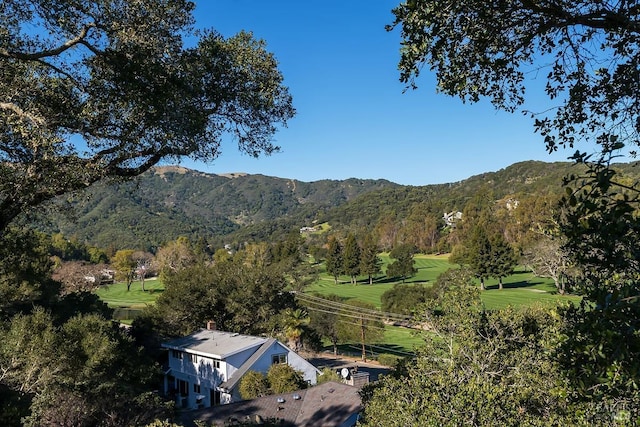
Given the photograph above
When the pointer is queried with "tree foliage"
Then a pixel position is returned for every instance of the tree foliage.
(325, 322)
(175, 256)
(333, 261)
(283, 378)
(486, 252)
(547, 258)
(328, 374)
(239, 297)
(351, 257)
(370, 262)
(405, 298)
(588, 51)
(253, 384)
(125, 266)
(295, 322)
(118, 77)
(503, 258)
(360, 324)
(25, 273)
(403, 266)
(602, 230)
(83, 372)
(479, 257)
(477, 368)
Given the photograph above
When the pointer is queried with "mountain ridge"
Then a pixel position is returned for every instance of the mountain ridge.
(172, 201)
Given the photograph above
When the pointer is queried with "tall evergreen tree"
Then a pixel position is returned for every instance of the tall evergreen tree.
(351, 258)
(478, 255)
(370, 262)
(503, 258)
(333, 262)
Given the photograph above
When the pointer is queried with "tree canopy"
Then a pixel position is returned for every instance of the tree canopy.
(477, 368)
(102, 88)
(587, 50)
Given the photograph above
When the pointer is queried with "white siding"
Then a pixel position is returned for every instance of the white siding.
(209, 373)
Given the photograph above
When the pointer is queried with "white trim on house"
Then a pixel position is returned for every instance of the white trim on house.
(213, 362)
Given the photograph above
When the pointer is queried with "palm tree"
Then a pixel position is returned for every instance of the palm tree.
(295, 322)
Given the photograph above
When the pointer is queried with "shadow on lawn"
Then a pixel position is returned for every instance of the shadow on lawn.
(512, 285)
(354, 350)
(383, 280)
(521, 284)
(392, 349)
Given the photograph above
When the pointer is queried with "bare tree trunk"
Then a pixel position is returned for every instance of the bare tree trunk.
(560, 285)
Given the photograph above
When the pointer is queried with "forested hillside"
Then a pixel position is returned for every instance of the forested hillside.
(169, 202)
(524, 178)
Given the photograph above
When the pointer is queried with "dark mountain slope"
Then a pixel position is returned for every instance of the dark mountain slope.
(169, 202)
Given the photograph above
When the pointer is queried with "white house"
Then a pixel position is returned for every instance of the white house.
(205, 367)
(451, 218)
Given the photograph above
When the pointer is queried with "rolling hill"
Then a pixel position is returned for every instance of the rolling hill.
(168, 202)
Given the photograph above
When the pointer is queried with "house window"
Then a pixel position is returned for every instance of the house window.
(183, 387)
(196, 388)
(215, 363)
(279, 358)
(193, 358)
(177, 354)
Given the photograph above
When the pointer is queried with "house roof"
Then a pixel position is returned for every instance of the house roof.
(328, 404)
(212, 343)
(237, 375)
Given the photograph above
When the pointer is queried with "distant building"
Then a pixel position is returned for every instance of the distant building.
(205, 368)
(451, 218)
(511, 204)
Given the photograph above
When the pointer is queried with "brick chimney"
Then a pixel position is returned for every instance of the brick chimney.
(211, 325)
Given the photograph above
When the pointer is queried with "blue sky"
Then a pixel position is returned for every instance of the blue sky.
(353, 119)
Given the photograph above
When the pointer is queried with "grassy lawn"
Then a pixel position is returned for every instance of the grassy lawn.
(402, 339)
(127, 305)
(116, 295)
(429, 268)
(397, 341)
(523, 289)
(520, 289)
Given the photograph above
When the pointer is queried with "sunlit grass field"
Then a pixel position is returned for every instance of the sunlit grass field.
(429, 268)
(520, 289)
(116, 295)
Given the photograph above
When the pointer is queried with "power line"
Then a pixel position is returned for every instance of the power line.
(343, 313)
(358, 317)
(310, 299)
